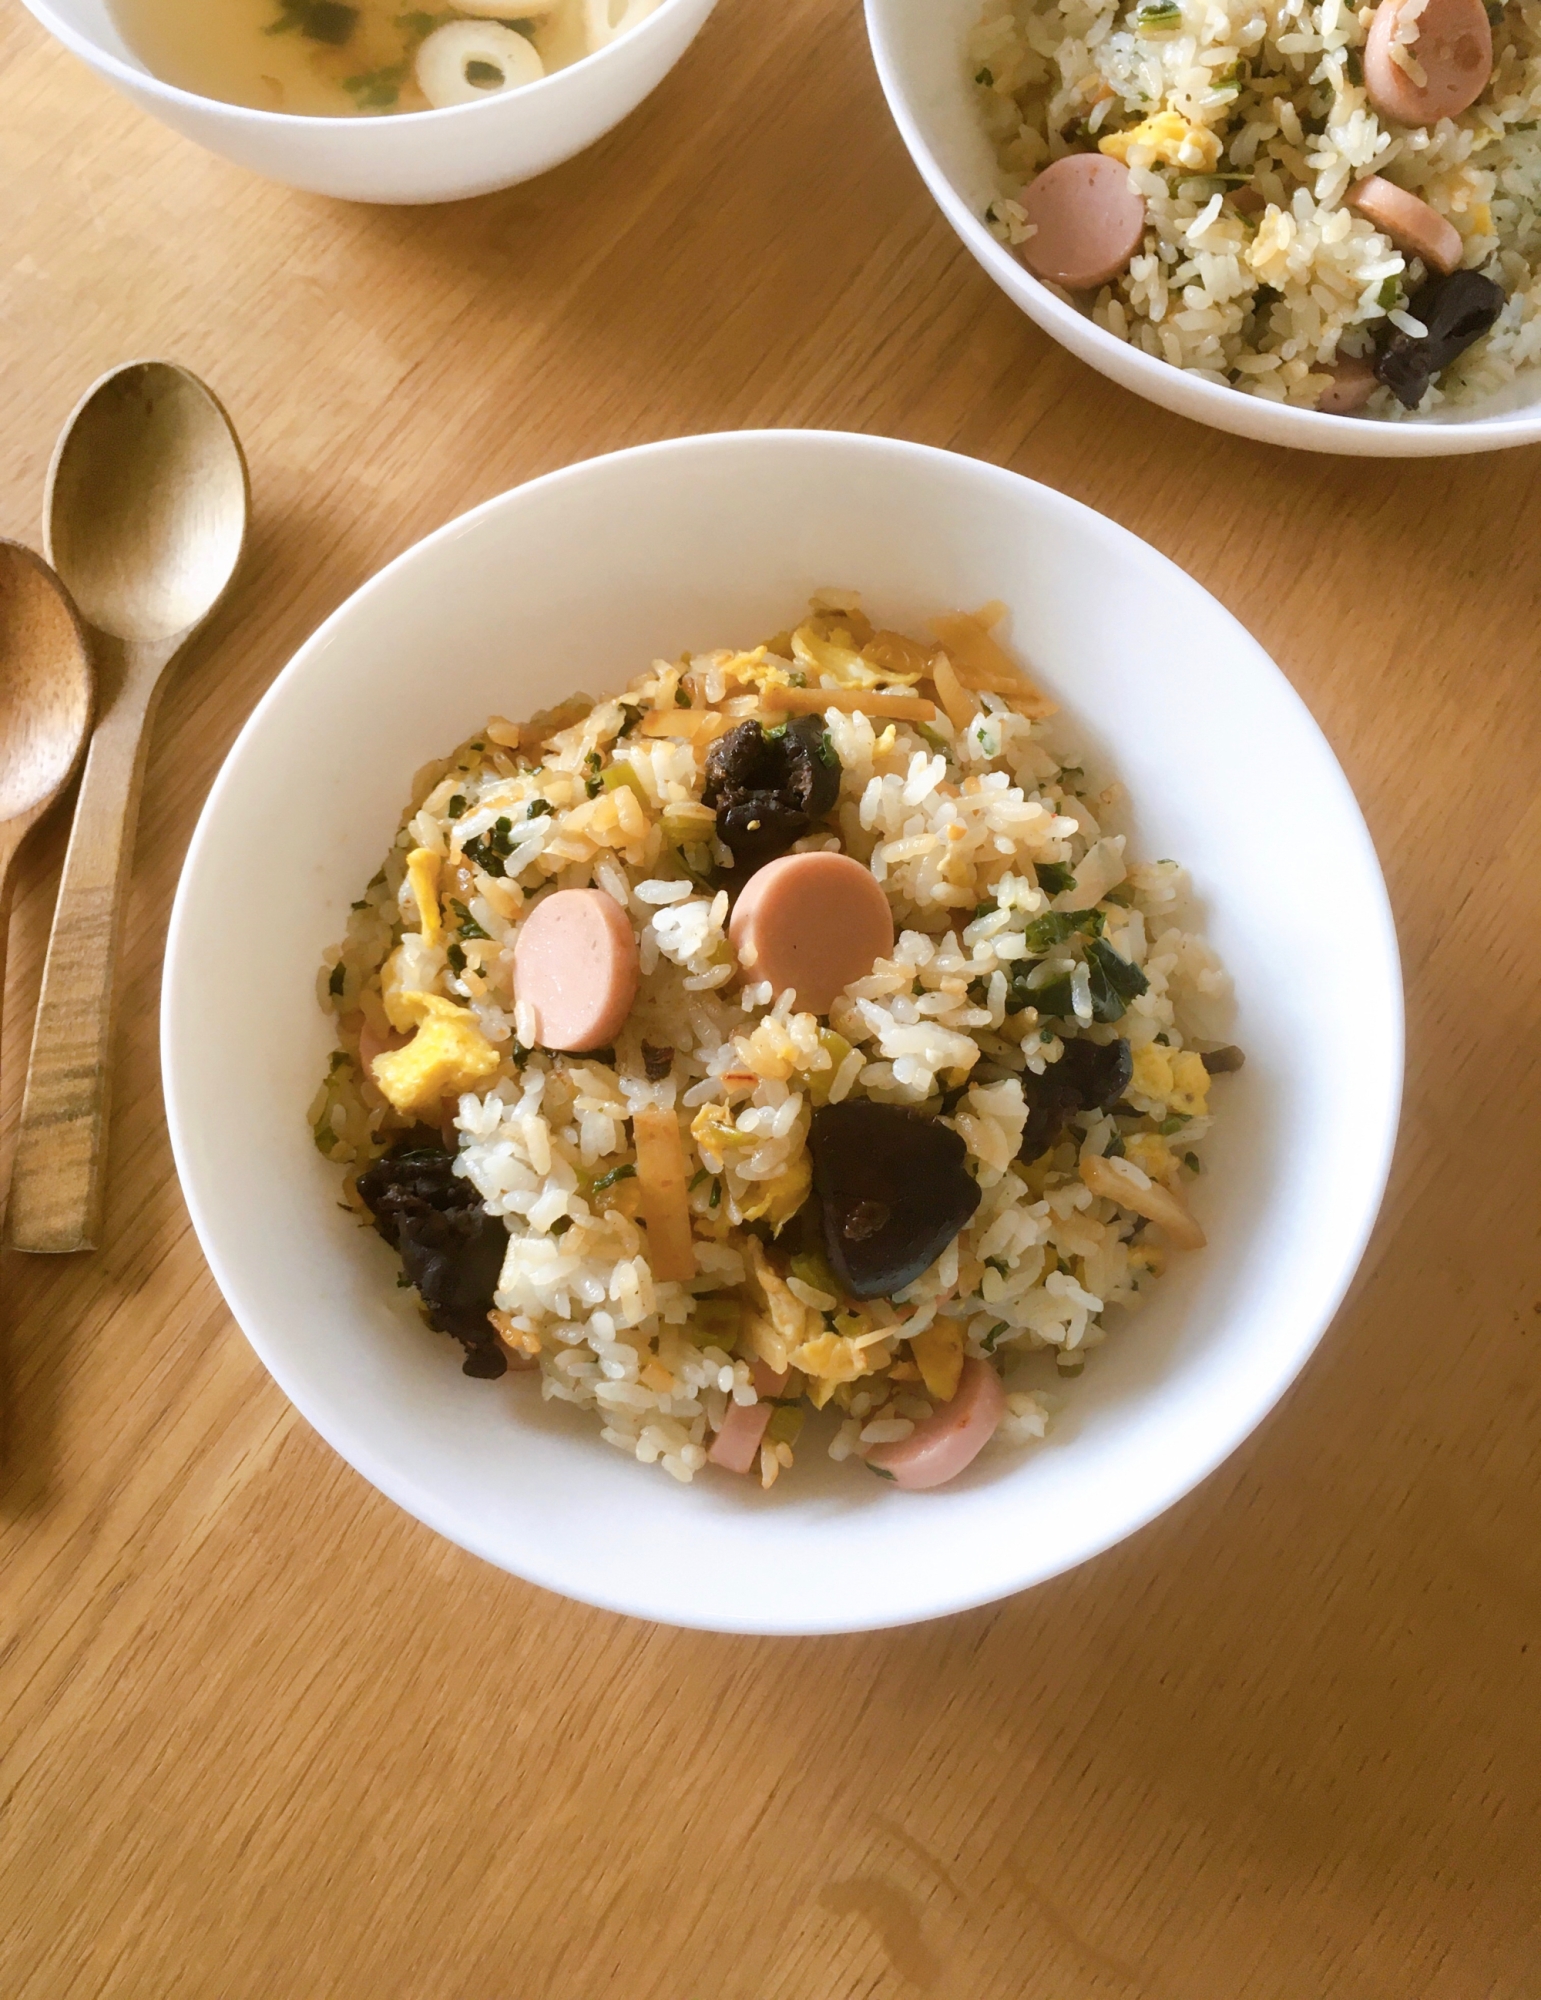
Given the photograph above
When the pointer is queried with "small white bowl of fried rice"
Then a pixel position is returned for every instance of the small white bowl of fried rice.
(978, 138)
(1181, 788)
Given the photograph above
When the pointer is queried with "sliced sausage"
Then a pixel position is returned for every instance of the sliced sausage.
(952, 1437)
(1353, 384)
(1411, 224)
(736, 1446)
(812, 922)
(576, 965)
(1453, 48)
(1088, 220)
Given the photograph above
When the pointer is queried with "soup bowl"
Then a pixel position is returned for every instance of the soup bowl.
(919, 47)
(711, 541)
(411, 156)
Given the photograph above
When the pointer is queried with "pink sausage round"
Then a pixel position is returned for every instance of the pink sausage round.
(575, 963)
(1411, 224)
(813, 922)
(736, 1446)
(1088, 221)
(951, 1438)
(1454, 49)
(1353, 384)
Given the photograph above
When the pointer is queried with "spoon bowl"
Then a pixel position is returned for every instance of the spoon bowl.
(147, 503)
(45, 687)
(145, 516)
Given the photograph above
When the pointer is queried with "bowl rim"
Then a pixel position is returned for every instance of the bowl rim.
(131, 77)
(1268, 1380)
(1159, 382)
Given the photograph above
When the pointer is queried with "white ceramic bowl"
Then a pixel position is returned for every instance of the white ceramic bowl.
(413, 156)
(577, 581)
(919, 47)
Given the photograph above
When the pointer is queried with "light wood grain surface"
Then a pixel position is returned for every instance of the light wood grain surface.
(265, 1736)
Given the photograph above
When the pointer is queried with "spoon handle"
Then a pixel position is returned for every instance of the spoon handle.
(57, 1181)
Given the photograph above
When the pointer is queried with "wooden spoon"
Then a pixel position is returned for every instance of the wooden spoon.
(45, 703)
(145, 516)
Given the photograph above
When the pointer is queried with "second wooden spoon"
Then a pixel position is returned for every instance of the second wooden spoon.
(146, 520)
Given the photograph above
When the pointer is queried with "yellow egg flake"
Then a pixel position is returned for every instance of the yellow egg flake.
(714, 1131)
(1169, 138)
(831, 1358)
(1190, 1084)
(423, 879)
(448, 1054)
(1152, 1077)
(783, 1195)
(1152, 1155)
(938, 1355)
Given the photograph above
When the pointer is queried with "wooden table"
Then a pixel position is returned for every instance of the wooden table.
(265, 1736)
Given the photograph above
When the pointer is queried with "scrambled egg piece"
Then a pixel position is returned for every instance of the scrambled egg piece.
(423, 876)
(783, 1195)
(715, 1132)
(1171, 139)
(829, 1359)
(938, 1355)
(1176, 1078)
(1152, 1155)
(447, 1055)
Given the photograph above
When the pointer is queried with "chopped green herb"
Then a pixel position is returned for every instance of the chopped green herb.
(716, 1195)
(623, 1173)
(877, 1471)
(376, 89)
(485, 75)
(1115, 981)
(456, 958)
(469, 927)
(1390, 291)
(1354, 66)
(682, 697)
(518, 1054)
(998, 1264)
(1191, 1162)
(988, 1343)
(1044, 932)
(1173, 1124)
(984, 910)
(1158, 17)
(492, 849)
(338, 979)
(984, 76)
(1164, 1040)
(1115, 1149)
(990, 214)
(455, 808)
(1054, 877)
(1057, 998)
(339, 1061)
(538, 809)
(696, 1180)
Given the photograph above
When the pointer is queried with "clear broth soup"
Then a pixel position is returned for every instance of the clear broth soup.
(365, 58)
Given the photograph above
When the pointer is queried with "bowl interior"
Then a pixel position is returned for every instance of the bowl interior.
(920, 47)
(91, 28)
(578, 581)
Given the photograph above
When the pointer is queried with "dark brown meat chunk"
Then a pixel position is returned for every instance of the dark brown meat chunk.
(769, 789)
(892, 1189)
(1089, 1076)
(1457, 311)
(450, 1248)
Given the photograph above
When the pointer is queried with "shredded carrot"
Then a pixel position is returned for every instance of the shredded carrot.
(1120, 1181)
(897, 653)
(981, 663)
(689, 725)
(960, 705)
(850, 701)
(661, 1176)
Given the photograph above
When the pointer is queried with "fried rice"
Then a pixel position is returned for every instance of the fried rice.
(1208, 100)
(1022, 925)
